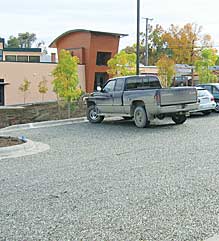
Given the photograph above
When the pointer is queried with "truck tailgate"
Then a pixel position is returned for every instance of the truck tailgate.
(177, 96)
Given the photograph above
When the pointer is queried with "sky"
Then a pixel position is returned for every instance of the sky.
(50, 18)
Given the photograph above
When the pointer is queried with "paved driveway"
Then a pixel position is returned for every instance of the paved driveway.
(113, 181)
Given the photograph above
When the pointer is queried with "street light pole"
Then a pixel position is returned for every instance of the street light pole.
(146, 40)
(138, 33)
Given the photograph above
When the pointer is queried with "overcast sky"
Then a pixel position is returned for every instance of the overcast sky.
(50, 18)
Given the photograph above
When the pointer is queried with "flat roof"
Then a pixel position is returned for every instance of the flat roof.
(85, 30)
(22, 49)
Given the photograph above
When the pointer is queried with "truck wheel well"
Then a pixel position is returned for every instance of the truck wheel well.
(89, 103)
(135, 104)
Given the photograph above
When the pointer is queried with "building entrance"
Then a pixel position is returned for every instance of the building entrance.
(100, 79)
(2, 92)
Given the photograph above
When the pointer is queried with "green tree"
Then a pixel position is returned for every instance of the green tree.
(166, 70)
(208, 58)
(156, 45)
(12, 42)
(122, 64)
(24, 40)
(132, 49)
(66, 79)
(24, 88)
(42, 87)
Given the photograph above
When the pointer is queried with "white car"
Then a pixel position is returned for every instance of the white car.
(206, 101)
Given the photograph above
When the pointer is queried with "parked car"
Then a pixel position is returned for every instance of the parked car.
(142, 98)
(213, 88)
(181, 81)
(206, 101)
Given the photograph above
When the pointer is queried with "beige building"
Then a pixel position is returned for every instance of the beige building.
(25, 63)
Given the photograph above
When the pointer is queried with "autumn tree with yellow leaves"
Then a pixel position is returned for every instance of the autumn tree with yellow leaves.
(122, 64)
(186, 42)
(66, 79)
(166, 70)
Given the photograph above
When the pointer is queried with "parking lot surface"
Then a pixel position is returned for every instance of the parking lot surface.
(113, 181)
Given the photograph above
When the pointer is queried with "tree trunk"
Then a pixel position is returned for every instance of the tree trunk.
(193, 82)
(69, 109)
(58, 105)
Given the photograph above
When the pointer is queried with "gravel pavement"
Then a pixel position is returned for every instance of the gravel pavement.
(114, 182)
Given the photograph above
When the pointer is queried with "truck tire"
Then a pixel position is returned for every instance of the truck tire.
(140, 117)
(179, 119)
(93, 116)
(217, 107)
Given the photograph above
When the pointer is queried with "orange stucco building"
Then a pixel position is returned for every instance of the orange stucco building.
(94, 49)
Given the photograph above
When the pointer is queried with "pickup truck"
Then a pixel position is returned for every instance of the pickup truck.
(142, 98)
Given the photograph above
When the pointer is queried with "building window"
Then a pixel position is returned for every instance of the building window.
(34, 59)
(10, 58)
(100, 79)
(102, 58)
(22, 58)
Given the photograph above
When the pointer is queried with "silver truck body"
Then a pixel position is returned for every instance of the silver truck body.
(157, 101)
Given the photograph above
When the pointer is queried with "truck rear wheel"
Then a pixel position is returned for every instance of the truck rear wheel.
(179, 119)
(140, 117)
(92, 115)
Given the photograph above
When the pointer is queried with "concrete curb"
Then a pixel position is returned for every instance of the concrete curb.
(43, 124)
(28, 148)
(214, 238)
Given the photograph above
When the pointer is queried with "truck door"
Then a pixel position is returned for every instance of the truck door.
(105, 98)
(118, 96)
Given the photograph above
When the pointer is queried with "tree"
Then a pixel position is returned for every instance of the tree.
(132, 49)
(208, 59)
(66, 79)
(12, 42)
(24, 40)
(122, 64)
(166, 70)
(156, 47)
(41, 44)
(184, 42)
(42, 87)
(24, 87)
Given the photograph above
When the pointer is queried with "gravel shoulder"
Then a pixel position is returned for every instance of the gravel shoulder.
(114, 182)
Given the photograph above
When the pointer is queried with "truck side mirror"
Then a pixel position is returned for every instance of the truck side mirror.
(99, 88)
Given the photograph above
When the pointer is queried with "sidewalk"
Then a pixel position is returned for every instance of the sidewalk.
(43, 124)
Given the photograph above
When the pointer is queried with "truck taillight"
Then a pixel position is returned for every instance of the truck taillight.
(157, 97)
(212, 98)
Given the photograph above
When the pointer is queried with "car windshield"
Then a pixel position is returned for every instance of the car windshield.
(203, 93)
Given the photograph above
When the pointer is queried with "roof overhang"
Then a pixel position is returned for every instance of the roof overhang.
(53, 44)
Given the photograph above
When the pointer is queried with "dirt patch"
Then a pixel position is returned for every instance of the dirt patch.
(9, 141)
(40, 112)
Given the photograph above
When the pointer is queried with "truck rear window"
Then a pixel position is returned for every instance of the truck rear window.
(133, 83)
(143, 82)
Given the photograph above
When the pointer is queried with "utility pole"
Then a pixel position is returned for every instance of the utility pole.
(146, 40)
(138, 33)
